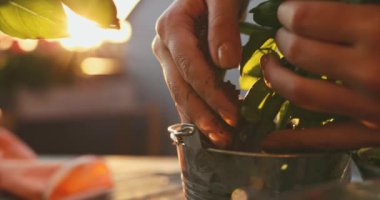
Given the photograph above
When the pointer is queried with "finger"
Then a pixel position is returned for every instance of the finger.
(225, 45)
(319, 95)
(318, 57)
(202, 77)
(331, 21)
(182, 114)
(176, 30)
(335, 61)
(189, 103)
(340, 136)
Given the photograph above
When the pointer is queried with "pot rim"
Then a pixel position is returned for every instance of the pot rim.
(274, 155)
(179, 130)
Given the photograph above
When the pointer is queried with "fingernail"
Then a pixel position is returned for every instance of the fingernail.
(222, 140)
(263, 62)
(227, 55)
(285, 13)
(229, 118)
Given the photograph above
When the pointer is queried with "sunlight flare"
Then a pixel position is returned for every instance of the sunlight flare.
(85, 34)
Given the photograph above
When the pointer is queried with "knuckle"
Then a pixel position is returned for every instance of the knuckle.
(293, 51)
(218, 21)
(184, 66)
(156, 47)
(299, 16)
(298, 94)
(160, 24)
(165, 21)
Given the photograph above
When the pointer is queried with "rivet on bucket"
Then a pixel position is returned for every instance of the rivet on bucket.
(178, 131)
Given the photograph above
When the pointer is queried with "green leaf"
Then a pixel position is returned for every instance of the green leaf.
(270, 109)
(251, 106)
(264, 121)
(251, 71)
(257, 38)
(284, 116)
(248, 28)
(101, 11)
(265, 14)
(246, 82)
(308, 118)
(33, 18)
(272, 106)
(252, 66)
(255, 71)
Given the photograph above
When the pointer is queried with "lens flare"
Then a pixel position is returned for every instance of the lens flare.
(85, 34)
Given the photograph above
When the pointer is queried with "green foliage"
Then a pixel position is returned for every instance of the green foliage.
(263, 109)
(265, 14)
(251, 70)
(46, 18)
(251, 108)
(33, 18)
(257, 37)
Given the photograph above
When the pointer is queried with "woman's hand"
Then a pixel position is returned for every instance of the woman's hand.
(341, 41)
(200, 95)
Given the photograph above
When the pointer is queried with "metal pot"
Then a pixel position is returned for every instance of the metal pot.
(368, 162)
(209, 174)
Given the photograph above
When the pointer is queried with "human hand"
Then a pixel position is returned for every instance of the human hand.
(341, 41)
(200, 95)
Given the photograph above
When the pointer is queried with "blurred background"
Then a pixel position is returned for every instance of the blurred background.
(98, 92)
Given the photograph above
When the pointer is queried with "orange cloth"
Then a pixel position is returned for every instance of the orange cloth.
(13, 148)
(25, 176)
(81, 178)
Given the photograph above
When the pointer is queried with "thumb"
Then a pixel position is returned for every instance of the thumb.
(223, 33)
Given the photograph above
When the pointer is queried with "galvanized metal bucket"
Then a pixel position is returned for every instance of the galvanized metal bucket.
(209, 174)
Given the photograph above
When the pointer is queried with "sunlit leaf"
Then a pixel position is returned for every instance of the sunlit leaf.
(250, 108)
(101, 11)
(252, 69)
(246, 82)
(283, 116)
(33, 18)
(257, 37)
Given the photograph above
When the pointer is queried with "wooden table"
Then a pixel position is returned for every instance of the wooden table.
(145, 178)
(136, 178)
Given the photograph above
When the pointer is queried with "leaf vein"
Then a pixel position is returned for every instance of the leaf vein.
(30, 11)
